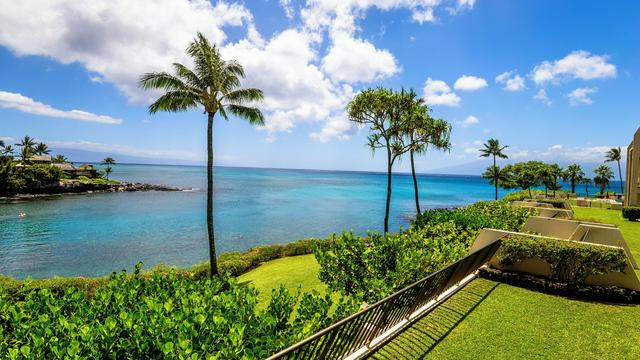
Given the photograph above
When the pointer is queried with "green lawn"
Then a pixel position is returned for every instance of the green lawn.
(293, 272)
(488, 320)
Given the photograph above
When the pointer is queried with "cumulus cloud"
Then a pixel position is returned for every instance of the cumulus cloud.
(306, 72)
(9, 100)
(541, 96)
(559, 153)
(469, 83)
(337, 127)
(578, 64)
(357, 60)
(580, 96)
(511, 81)
(128, 150)
(117, 39)
(437, 92)
(470, 120)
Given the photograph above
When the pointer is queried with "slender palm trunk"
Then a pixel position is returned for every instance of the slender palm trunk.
(573, 186)
(586, 188)
(530, 196)
(415, 183)
(212, 244)
(496, 176)
(386, 212)
(620, 175)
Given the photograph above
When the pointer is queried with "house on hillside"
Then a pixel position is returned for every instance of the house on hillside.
(40, 159)
(87, 170)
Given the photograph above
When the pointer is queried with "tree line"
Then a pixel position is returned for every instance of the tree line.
(530, 174)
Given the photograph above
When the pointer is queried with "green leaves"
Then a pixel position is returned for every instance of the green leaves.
(159, 315)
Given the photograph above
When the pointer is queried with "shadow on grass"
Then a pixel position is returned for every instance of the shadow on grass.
(424, 335)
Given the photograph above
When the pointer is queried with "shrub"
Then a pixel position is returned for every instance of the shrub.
(557, 203)
(373, 267)
(631, 213)
(569, 261)
(161, 316)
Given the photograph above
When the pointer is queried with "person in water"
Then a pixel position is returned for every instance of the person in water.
(22, 214)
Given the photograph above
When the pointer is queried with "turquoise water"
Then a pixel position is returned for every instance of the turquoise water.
(95, 234)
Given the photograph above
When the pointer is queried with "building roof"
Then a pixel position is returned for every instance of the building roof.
(65, 166)
(40, 158)
(85, 167)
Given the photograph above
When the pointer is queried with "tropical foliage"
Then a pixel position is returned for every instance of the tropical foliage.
(15, 179)
(615, 154)
(162, 315)
(574, 175)
(603, 174)
(108, 163)
(374, 266)
(214, 85)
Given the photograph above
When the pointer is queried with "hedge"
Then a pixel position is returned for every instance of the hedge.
(557, 203)
(570, 261)
(631, 213)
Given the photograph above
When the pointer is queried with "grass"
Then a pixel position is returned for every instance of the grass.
(497, 321)
(293, 272)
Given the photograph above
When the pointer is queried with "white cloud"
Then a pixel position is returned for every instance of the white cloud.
(580, 96)
(562, 154)
(422, 16)
(115, 39)
(9, 100)
(437, 92)
(577, 65)
(511, 81)
(357, 60)
(470, 120)
(288, 8)
(461, 5)
(469, 83)
(337, 127)
(541, 96)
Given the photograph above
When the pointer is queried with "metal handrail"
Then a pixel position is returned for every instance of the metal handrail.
(351, 334)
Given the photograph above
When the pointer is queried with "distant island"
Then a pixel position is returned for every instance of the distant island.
(34, 172)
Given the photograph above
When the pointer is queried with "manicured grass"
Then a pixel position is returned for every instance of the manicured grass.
(293, 272)
(488, 320)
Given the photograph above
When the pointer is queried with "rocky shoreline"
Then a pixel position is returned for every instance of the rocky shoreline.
(67, 187)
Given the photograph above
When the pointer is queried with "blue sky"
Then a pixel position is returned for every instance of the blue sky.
(555, 80)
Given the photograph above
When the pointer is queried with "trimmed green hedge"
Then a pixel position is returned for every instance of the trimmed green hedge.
(631, 213)
(557, 203)
(570, 261)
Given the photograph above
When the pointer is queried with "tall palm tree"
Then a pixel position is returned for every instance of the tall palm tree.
(7, 150)
(41, 149)
(615, 154)
(108, 162)
(603, 174)
(497, 176)
(573, 173)
(59, 159)
(492, 148)
(27, 143)
(213, 85)
(586, 181)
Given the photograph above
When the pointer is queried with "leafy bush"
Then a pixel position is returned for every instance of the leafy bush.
(375, 266)
(15, 179)
(569, 261)
(631, 213)
(484, 214)
(161, 316)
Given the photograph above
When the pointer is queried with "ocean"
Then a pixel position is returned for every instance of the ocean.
(96, 234)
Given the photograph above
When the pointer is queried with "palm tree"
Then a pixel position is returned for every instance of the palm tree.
(41, 148)
(108, 161)
(27, 143)
(573, 173)
(586, 181)
(615, 154)
(214, 85)
(603, 174)
(497, 176)
(59, 159)
(493, 148)
(7, 150)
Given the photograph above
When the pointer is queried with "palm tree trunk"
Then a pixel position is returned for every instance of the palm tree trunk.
(495, 179)
(386, 212)
(620, 175)
(415, 183)
(212, 244)
(530, 196)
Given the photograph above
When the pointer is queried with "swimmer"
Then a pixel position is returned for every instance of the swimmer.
(22, 214)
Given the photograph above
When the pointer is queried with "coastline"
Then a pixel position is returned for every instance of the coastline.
(76, 187)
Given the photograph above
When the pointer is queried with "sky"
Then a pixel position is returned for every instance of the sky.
(554, 80)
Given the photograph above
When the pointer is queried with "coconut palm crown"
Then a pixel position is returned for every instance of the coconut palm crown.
(213, 84)
(615, 154)
(492, 148)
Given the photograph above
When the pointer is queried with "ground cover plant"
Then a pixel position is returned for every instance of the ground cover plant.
(164, 315)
